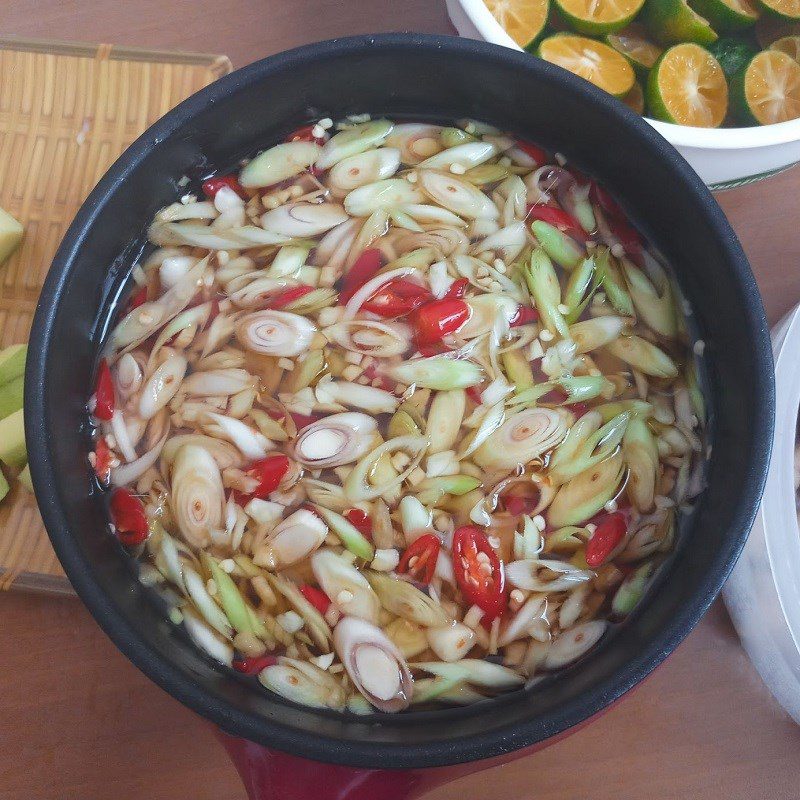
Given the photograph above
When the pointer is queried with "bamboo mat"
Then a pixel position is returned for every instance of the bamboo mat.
(66, 112)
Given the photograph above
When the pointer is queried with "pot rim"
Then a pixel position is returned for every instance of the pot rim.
(269, 732)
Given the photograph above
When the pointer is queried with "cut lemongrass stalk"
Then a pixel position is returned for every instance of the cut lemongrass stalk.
(613, 283)
(644, 356)
(546, 292)
(564, 250)
(438, 372)
(349, 535)
(474, 671)
(404, 600)
(444, 419)
(641, 455)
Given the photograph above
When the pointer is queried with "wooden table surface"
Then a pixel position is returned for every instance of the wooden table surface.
(78, 721)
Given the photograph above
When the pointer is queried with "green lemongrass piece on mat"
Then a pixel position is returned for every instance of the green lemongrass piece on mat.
(12, 362)
(641, 455)
(351, 537)
(564, 250)
(644, 356)
(438, 372)
(583, 496)
(631, 590)
(546, 291)
(11, 396)
(12, 440)
(613, 283)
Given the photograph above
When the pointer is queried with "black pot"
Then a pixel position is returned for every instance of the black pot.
(418, 77)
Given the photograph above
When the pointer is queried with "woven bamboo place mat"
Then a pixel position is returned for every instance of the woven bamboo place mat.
(66, 112)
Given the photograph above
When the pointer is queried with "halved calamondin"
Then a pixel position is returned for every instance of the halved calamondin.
(399, 416)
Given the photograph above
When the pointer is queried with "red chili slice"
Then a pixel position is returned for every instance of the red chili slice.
(525, 316)
(104, 392)
(364, 268)
(474, 393)
(608, 534)
(481, 580)
(578, 409)
(290, 295)
(457, 290)
(426, 551)
(316, 597)
(130, 521)
(360, 520)
(102, 461)
(253, 665)
(536, 153)
(558, 219)
(628, 236)
(269, 472)
(433, 321)
(305, 134)
(213, 185)
(521, 498)
(397, 298)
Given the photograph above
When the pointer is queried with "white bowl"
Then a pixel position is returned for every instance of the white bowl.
(763, 591)
(723, 158)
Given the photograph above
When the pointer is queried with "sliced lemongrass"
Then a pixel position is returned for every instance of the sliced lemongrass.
(263, 512)
(288, 261)
(145, 320)
(597, 332)
(427, 214)
(211, 612)
(275, 333)
(334, 246)
(527, 543)
(571, 644)
(224, 454)
(335, 440)
(465, 155)
(564, 250)
(303, 219)
(371, 337)
(218, 382)
(347, 588)
(197, 497)
(432, 490)
(631, 590)
(444, 419)
(610, 277)
(488, 312)
(126, 474)
(644, 356)
(451, 642)
(585, 495)
(525, 575)
(507, 242)
(455, 195)
(438, 372)
(292, 540)
(475, 671)
(414, 517)
(657, 311)
(363, 168)
(304, 683)
(352, 141)
(230, 599)
(389, 193)
(356, 485)
(580, 289)
(350, 536)
(205, 638)
(534, 608)
(329, 495)
(279, 163)
(314, 621)
(523, 437)
(641, 455)
(356, 395)
(403, 424)
(174, 268)
(375, 226)
(636, 408)
(491, 421)
(253, 444)
(409, 638)
(374, 664)
(545, 290)
(162, 385)
(403, 599)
